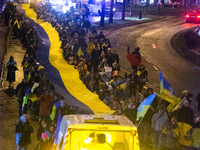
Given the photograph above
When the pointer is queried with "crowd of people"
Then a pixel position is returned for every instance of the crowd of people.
(99, 71)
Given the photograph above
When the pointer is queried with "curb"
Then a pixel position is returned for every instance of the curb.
(178, 44)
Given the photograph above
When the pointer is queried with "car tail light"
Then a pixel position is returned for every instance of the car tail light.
(198, 16)
(187, 16)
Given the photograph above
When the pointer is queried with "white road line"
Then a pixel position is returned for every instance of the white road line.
(155, 67)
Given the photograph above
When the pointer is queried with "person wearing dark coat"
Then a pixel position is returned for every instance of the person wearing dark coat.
(133, 83)
(87, 24)
(96, 53)
(198, 100)
(42, 128)
(20, 93)
(109, 57)
(11, 66)
(115, 56)
(26, 64)
(131, 112)
(24, 131)
(144, 128)
(142, 77)
(185, 114)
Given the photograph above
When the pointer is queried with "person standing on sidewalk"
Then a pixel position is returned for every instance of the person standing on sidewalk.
(24, 131)
(12, 67)
(20, 93)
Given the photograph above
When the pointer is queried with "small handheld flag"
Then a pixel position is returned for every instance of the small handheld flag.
(144, 106)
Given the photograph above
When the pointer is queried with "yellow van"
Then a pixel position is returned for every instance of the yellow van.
(97, 132)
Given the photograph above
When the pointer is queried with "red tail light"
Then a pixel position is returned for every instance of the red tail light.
(198, 16)
(187, 16)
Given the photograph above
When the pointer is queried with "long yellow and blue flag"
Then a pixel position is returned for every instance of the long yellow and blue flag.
(144, 106)
(167, 93)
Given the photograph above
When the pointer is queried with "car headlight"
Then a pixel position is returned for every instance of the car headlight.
(113, 9)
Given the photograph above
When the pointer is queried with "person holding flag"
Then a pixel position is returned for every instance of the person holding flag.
(144, 116)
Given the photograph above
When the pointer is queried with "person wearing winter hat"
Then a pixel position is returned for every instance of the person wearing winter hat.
(44, 144)
(185, 94)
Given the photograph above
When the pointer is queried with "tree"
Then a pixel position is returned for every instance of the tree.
(111, 11)
(123, 9)
(102, 13)
(147, 3)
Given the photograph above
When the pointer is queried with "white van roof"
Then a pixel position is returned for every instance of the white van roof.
(98, 119)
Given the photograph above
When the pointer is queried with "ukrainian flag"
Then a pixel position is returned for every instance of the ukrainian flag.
(82, 51)
(122, 85)
(144, 106)
(167, 93)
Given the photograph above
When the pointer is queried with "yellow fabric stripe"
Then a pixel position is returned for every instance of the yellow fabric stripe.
(69, 75)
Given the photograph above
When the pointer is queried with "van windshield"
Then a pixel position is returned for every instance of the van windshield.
(101, 140)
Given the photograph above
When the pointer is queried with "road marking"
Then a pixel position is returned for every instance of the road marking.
(198, 67)
(155, 67)
(154, 46)
(147, 60)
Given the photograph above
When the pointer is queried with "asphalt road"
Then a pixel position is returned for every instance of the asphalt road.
(153, 38)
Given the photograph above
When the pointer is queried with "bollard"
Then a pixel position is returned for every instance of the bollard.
(140, 15)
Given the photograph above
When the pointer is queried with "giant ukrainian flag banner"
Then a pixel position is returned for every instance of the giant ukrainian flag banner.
(144, 106)
(65, 78)
(167, 93)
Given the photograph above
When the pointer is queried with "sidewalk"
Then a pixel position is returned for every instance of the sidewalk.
(129, 21)
(8, 103)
